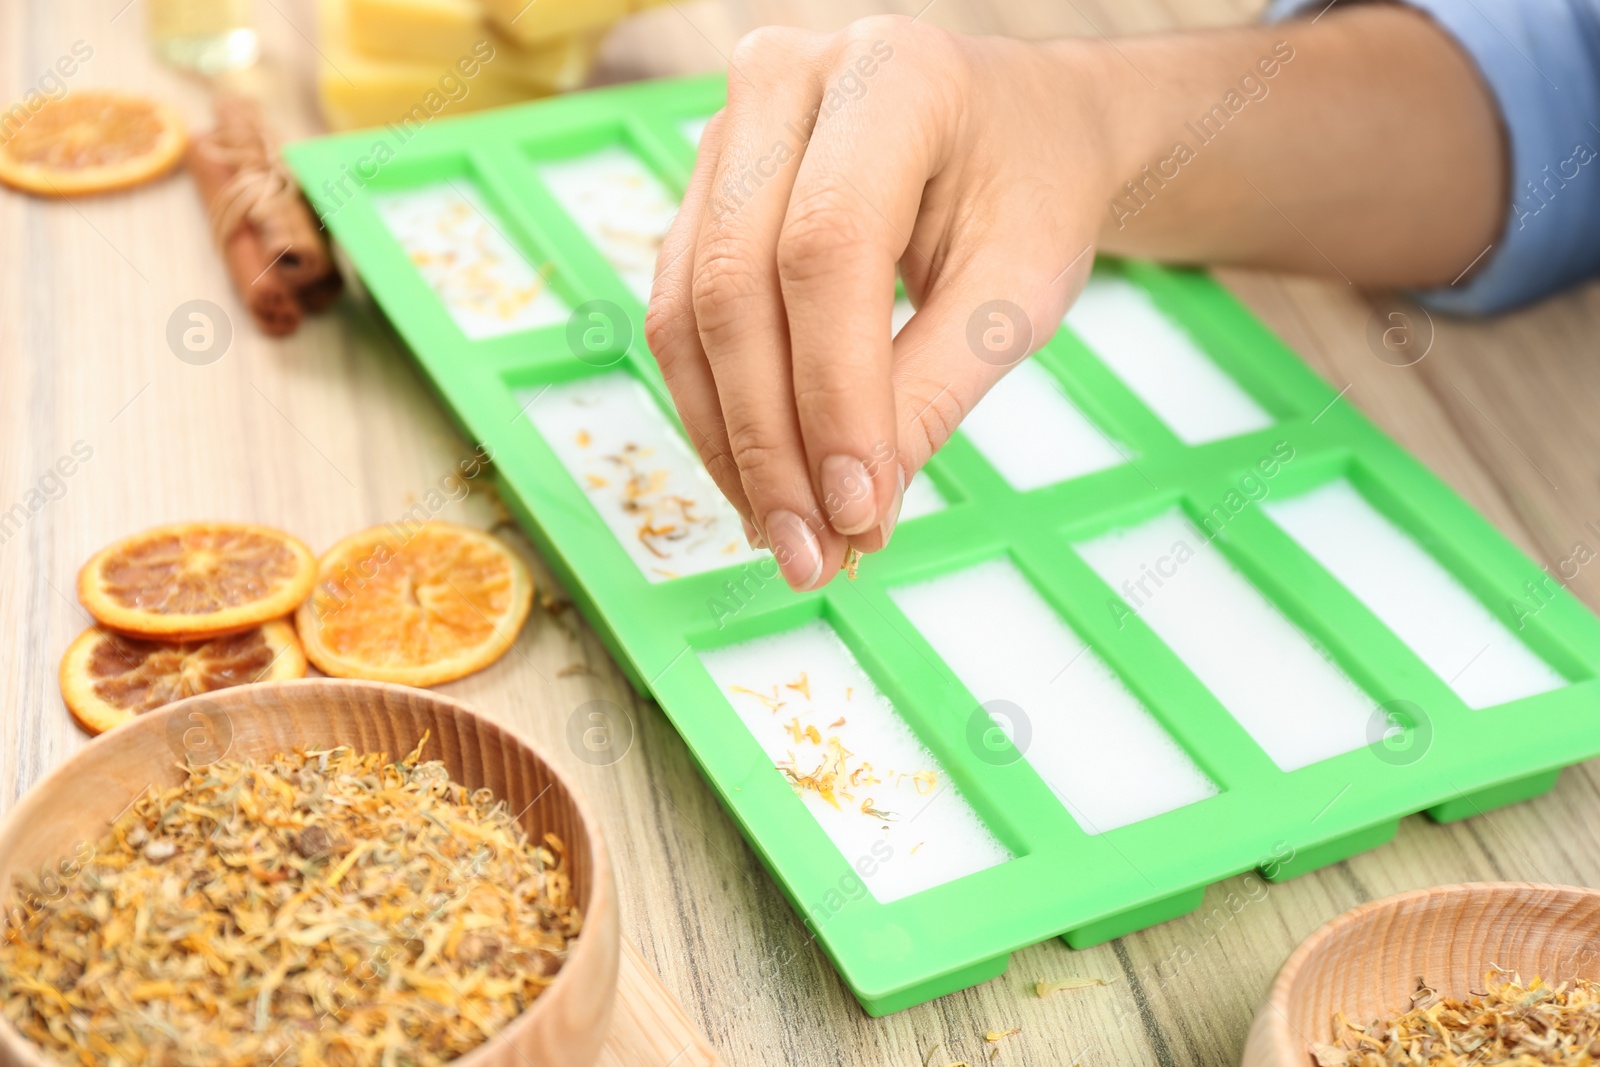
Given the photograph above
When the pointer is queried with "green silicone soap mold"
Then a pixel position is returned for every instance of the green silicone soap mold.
(1435, 754)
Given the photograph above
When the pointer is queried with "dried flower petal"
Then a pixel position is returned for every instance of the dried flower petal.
(1044, 989)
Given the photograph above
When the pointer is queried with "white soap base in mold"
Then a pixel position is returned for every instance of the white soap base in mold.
(694, 129)
(640, 475)
(923, 832)
(461, 251)
(1281, 687)
(620, 205)
(1414, 595)
(899, 315)
(1033, 434)
(922, 498)
(1161, 363)
(1077, 724)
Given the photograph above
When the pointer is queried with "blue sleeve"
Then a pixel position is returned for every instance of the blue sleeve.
(1541, 61)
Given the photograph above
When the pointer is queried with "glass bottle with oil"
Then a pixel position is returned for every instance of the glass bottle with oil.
(208, 36)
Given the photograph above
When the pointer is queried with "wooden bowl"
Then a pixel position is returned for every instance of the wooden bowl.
(1366, 962)
(565, 1027)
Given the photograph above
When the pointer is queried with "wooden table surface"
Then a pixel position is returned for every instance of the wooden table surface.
(333, 430)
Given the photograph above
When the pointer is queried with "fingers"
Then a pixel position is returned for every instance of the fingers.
(771, 312)
(670, 331)
(880, 136)
(738, 303)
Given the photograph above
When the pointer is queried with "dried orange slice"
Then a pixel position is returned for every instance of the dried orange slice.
(108, 678)
(196, 579)
(90, 142)
(415, 605)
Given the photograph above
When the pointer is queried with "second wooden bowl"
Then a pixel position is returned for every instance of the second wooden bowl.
(1366, 962)
(565, 1027)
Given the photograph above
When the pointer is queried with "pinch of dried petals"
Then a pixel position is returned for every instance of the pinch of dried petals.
(852, 563)
(1532, 1025)
(1044, 989)
(320, 907)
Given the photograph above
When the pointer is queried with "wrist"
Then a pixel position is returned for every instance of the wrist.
(1120, 131)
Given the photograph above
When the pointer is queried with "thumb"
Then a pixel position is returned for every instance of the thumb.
(976, 324)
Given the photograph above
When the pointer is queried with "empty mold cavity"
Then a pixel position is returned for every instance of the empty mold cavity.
(620, 205)
(694, 129)
(1161, 363)
(1067, 713)
(922, 498)
(639, 473)
(892, 810)
(1029, 431)
(1403, 585)
(462, 252)
(1280, 686)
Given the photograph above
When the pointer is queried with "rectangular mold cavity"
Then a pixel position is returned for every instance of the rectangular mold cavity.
(619, 204)
(639, 473)
(1161, 363)
(790, 690)
(1068, 713)
(1279, 685)
(1426, 606)
(462, 252)
(1060, 441)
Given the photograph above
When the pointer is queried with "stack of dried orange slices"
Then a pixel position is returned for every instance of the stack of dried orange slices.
(184, 609)
(193, 607)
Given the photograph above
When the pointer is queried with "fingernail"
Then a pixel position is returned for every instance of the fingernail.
(796, 548)
(752, 536)
(894, 505)
(847, 494)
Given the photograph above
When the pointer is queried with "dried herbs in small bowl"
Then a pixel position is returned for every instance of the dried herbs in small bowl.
(290, 894)
(1480, 974)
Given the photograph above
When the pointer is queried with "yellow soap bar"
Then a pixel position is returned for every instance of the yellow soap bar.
(553, 67)
(415, 29)
(442, 31)
(357, 91)
(532, 22)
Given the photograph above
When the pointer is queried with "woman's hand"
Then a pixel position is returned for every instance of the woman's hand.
(1363, 145)
(979, 166)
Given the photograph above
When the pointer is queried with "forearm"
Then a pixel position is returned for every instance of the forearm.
(1363, 147)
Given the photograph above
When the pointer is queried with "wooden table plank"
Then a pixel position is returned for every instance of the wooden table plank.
(334, 429)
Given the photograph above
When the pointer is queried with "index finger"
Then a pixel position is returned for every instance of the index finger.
(847, 225)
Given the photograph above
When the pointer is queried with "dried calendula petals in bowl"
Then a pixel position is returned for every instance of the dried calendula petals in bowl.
(107, 678)
(1513, 1023)
(319, 907)
(414, 605)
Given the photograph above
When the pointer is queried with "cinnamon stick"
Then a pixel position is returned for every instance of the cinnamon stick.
(275, 250)
(290, 234)
(272, 302)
